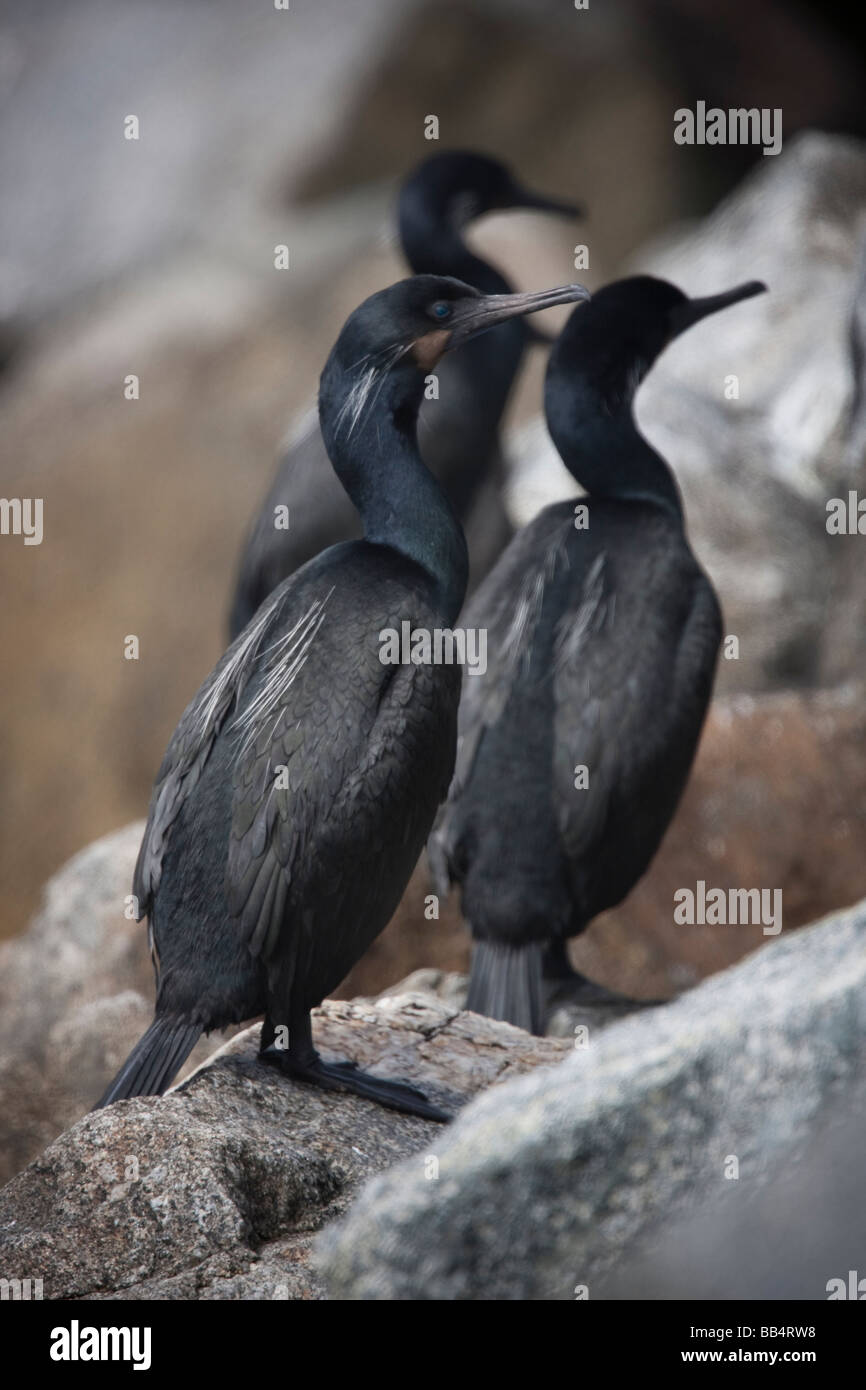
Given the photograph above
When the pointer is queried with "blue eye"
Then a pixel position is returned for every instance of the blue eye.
(440, 310)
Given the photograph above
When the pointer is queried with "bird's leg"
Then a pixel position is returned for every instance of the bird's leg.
(299, 1059)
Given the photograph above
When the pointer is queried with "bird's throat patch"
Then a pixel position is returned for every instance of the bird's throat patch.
(428, 349)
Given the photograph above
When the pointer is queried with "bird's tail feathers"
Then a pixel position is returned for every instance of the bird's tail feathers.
(506, 982)
(155, 1060)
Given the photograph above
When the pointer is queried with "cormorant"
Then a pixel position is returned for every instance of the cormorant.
(458, 433)
(603, 634)
(302, 780)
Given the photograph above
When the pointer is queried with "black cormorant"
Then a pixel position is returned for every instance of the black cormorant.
(458, 433)
(602, 638)
(302, 781)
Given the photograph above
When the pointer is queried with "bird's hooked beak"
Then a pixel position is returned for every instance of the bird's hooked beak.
(476, 315)
(693, 310)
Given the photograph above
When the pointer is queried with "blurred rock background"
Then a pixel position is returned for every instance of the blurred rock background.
(155, 257)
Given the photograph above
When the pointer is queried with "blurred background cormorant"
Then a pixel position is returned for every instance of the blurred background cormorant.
(603, 635)
(302, 780)
(458, 432)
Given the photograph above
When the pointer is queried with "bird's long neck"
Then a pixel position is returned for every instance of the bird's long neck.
(433, 245)
(378, 462)
(595, 432)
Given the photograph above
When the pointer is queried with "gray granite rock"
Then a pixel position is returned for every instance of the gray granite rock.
(76, 992)
(215, 1190)
(545, 1185)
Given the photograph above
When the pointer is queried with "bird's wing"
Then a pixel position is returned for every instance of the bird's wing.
(189, 749)
(280, 780)
(631, 679)
(320, 762)
(631, 683)
(590, 701)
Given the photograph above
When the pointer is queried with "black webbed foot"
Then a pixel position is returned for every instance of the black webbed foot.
(347, 1076)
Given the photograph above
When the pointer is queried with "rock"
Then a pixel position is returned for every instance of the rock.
(775, 801)
(206, 90)
(76, 992)
(797, 222)
(80, 944)
(568, 1008)
(546, 1184)
(214, 1190)
(446, 985)
(513, 105)
(761, 1246)
(757, 470)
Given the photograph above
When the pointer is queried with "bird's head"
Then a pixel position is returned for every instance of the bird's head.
(615, 341)
(456, 186)
(400, 333)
